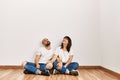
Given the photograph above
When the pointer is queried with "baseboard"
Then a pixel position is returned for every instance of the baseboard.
(89, 67)
(11, 67)
(111, 72)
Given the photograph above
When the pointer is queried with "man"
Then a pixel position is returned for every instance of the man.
(43, 60)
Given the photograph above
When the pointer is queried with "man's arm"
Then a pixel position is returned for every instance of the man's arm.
(69, 60)
(37, 58)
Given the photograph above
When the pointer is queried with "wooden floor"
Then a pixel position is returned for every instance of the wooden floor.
(85, 74)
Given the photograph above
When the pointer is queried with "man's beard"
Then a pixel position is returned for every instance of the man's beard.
(48, 44)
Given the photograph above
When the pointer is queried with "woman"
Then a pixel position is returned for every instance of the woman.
(64, 62)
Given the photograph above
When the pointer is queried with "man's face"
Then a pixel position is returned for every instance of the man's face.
(46, 42)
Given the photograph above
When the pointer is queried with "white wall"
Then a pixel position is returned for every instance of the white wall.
(110, 34)
(23, 23)
(93, 25)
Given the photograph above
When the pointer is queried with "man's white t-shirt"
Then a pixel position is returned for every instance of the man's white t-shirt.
(45, 54)
(63, 55)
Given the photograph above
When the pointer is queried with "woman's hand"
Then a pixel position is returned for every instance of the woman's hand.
(37, 66)
(69, 61)
(59, 65)
(65, 65)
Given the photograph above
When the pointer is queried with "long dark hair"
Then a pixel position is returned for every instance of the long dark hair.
(69, 43)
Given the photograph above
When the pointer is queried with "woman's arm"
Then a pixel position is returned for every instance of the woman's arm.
(59, 60)
(69, 61)
(53, 58)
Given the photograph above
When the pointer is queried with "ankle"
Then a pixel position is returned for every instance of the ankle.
(67, 71)
(38, 71)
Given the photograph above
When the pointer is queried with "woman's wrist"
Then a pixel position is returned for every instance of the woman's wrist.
(66, 65)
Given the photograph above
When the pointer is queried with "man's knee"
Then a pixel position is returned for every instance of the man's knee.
(49, 66)
(23, 63)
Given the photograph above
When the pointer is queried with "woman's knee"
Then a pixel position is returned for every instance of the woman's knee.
(55, 64)
(76, 65)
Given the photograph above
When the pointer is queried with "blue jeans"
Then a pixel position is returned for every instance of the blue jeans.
(70, 67)
(32, 67)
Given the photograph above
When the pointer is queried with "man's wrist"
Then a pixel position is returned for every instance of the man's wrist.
(51, 61)
(37, 63)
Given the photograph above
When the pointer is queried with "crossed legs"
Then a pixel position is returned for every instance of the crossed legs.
(31, 67)
(66, 70)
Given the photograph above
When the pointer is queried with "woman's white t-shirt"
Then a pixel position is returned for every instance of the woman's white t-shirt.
(63, 55)
(45, 54)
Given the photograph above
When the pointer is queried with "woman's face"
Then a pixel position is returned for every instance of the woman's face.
(65, 42)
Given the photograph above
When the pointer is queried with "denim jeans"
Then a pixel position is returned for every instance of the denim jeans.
(31, 67)
(70, 67)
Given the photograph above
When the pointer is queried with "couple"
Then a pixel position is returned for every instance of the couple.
(59, 60)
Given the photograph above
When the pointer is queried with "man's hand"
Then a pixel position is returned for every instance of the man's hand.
(37, 66)
(49, 65)
(49, 62)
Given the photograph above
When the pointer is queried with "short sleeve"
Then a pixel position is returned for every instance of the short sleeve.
(38, 52)
(71, 52)
(57, 51)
